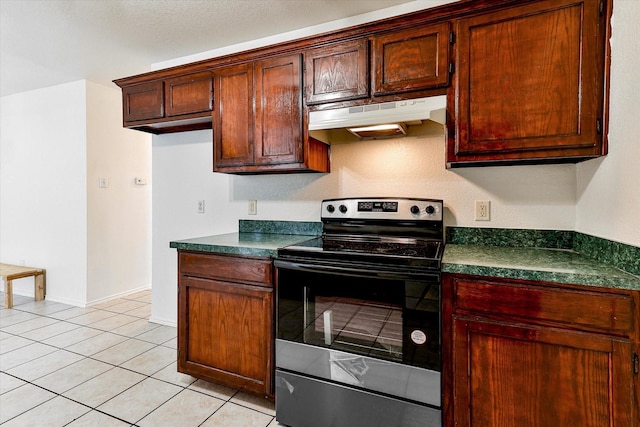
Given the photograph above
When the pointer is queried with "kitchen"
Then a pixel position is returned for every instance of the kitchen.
(561, 197)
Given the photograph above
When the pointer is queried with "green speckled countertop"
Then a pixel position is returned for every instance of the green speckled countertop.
(251, 244)
(551, 256)
(560, 257)
(549, 265)
(255, 238)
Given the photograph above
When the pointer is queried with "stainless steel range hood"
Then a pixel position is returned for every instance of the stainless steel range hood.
(421, 116)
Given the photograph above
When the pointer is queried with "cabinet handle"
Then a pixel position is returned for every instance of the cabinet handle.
(635, 363)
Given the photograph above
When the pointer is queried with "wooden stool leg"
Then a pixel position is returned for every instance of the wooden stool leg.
(40, 287)
(8, 293)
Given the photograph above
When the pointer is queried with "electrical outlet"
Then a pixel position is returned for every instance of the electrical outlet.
(253, 207)
(483, 210)
(200, 206)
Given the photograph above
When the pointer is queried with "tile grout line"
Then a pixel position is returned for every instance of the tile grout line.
(167, 344)
(56, 394)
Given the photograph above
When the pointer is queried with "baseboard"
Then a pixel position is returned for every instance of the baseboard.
(165, 322)
(118, 295)
(61, 300)
(79, 303)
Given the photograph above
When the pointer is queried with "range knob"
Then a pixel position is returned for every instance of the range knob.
(430, 209)
(343, 208)
(414, 210)
(331, 208)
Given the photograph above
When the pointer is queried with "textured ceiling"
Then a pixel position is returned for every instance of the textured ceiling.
(50, 42)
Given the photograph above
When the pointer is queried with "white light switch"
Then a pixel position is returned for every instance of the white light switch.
(103, 182)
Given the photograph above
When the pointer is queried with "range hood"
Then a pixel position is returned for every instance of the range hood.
(413, 117)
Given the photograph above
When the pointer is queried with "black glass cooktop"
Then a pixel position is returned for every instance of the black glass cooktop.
(376, 249)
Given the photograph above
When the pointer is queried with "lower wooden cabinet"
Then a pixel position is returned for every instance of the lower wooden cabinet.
(519, 353)
(225, 320)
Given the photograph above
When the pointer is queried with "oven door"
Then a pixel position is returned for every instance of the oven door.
(373, 329)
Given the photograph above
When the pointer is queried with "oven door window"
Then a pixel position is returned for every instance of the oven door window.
(393, 319)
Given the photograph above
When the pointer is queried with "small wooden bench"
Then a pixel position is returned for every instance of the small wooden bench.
(11, 272)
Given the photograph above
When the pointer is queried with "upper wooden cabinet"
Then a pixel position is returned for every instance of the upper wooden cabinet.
(142, 102)
(338, 72)
(401, 61)
(169, 105)
(278, 106)
(233, 135)
(526, 82)
(258, 119)
(412, 59)
(189, 94)
(529, 84)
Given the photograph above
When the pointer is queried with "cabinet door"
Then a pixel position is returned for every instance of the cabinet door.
(225, 333)
(337, 72)
(411, 59)
(233, 129)
(529, 83)
(278, 107)
(189, 94)
(142, 101)
(535, 376)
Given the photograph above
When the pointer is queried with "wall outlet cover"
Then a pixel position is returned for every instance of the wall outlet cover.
(483, 210)
(253, 207)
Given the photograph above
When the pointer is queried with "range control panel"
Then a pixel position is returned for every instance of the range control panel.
(383, 208)
(377, 206)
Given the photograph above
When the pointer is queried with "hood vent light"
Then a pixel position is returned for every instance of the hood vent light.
(379, 131)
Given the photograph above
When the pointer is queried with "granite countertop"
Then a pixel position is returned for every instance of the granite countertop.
(550, 256)
(543, 264)
(251, 244)
(254, 238)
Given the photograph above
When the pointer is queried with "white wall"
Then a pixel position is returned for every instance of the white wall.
(182, 165)
(43, 200)
(609, 188)
(54, 143)
(119, 217)
(565, 197)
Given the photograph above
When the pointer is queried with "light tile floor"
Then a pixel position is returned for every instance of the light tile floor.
(106, 365)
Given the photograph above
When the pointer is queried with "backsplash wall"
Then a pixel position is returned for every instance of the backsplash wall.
(540, 197)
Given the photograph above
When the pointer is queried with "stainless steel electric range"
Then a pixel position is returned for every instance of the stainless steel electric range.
(358, 317)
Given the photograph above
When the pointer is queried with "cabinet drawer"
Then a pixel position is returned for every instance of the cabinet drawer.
(612, 312)
(230, 268)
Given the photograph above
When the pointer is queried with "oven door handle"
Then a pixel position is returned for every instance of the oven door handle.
(354, 271)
